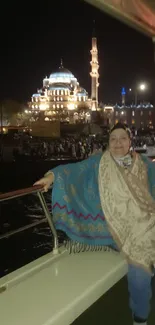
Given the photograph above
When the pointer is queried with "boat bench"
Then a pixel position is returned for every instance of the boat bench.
(56, 289)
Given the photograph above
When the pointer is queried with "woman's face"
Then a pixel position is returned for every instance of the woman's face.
(119, 143)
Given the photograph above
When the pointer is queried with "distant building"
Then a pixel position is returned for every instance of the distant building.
(61, 98)
(141, 116)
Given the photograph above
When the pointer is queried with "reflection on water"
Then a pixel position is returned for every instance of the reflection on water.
(26, 246)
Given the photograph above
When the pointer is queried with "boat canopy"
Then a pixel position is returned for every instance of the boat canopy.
(139, 14)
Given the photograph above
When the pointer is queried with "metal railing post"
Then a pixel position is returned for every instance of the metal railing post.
(48, 216)
(27, 191)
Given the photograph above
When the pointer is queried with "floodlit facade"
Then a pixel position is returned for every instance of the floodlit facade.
(141, 116)
(61, 98)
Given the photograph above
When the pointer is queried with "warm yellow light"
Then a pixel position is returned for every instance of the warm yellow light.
(108, 108)
(71, 106)
(43, 107)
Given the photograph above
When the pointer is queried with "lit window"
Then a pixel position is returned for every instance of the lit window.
(133, 113)
(141, 113)
(57, 98)
(54, 99)
(54, 92)
(57, 92)
(61, 99)
(122, 112)
(53, 106)
(61, 106)
(57, 105)
(62, 92)
(116, 121)
(133, 121)
(116, 113)
(150, 122)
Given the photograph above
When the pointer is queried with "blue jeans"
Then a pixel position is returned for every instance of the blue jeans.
(140, 291)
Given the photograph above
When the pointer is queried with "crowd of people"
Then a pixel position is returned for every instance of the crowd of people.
(71, 148)
(28, 148)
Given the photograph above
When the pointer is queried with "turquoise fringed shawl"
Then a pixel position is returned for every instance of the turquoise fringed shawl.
(76, 206)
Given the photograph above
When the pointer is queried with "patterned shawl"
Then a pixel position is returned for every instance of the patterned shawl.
(98, 202)
(129, 208)
(76, 206)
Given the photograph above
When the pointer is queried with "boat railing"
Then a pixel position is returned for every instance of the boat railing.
(27, 191)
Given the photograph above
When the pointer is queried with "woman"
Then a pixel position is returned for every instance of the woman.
(108, 199)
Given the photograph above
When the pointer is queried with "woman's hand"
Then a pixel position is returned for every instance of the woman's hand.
(46, 181)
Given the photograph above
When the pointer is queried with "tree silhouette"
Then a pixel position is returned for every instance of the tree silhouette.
(9, 111)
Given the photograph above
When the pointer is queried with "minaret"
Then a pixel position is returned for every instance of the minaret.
(123, 93)
(94, 74)
(61, 64)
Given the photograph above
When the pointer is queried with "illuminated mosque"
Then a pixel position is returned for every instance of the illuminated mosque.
(62, 98)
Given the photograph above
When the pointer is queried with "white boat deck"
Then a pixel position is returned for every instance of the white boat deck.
(55, 290)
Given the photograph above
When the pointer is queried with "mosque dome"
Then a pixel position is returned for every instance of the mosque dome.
(62, 74)
(81, 91)
(59, 86)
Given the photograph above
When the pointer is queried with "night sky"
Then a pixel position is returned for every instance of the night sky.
(35, 35)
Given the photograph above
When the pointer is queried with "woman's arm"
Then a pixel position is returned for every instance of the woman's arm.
(50, 176)
(46, 181)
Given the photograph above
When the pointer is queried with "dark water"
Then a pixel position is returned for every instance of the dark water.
(28, 245)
